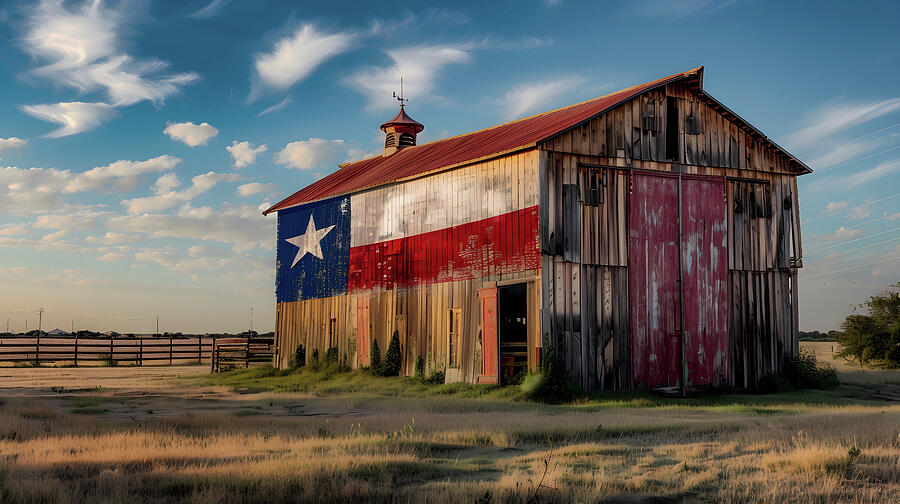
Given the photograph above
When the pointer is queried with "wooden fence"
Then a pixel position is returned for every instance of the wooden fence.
(137, 351)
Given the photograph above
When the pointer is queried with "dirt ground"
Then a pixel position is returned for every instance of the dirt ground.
(145, 434)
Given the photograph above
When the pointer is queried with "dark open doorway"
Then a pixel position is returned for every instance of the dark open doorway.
(513, 329)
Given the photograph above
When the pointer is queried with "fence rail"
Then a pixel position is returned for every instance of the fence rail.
(221, 353)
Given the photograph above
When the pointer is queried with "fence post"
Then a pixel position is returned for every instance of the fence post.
(112, 354)
(199, 350)
(76, 349)
(170, 350)
(212, 357)
(140, 351)
(247, 355)
(37, 348)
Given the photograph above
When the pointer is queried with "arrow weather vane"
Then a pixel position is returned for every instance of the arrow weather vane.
(400, 98)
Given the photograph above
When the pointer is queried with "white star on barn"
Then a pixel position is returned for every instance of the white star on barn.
(309, 242)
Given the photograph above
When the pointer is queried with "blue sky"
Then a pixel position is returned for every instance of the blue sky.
(139, 140)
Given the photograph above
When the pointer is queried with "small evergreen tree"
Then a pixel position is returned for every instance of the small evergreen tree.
(375, 364)
(299, 357)
(393, 359)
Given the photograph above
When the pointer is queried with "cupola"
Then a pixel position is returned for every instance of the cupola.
(400, 132)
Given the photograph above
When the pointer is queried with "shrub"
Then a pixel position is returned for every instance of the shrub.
(420, 368)
(550, 385)
(804, 371)
(874, 338)
(393, 359)
(436, 378)
(332, 356)
(376, 357)
(315, 356)
(299, 359)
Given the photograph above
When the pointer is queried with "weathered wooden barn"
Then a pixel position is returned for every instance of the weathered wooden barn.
(644, 237)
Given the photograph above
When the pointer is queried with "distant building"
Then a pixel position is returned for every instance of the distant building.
(642, 238)
(57, 332)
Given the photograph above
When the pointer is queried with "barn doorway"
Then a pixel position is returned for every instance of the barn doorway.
(513, 330)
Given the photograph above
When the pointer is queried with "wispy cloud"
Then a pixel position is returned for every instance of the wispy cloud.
(278, 106)
(210, 10)
(295, 57)
(419, 66)
(255, 188)
(73, 117)
(677, 8)
(535, 96)
(837, 117)
(81, 49)
(190, 133)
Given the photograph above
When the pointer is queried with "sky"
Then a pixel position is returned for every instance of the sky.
(140, 141)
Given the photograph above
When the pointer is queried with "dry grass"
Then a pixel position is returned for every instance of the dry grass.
(205, 444)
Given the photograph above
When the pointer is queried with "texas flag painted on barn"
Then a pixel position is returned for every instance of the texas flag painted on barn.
(313, 250)
(419, 233)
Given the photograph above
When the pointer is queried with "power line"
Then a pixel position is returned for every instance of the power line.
(852, 209)
(858, 239)
(853, 250)
(851, 268)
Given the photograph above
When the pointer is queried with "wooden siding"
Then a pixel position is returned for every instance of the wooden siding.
(576, 236)
(420, 312)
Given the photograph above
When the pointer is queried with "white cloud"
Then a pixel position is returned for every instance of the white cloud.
(73, 117)
(843, 233)
(166, 198)
(880, 170)
(39, 189)
(296, 56)
(7, 144)
(190, 133)
(255, 188)
(111, 238)
(842, 153)
(836, 206)
(278, 106)
(55, 236)
(838, 117)
(892, 216)
(79, 220)
(82, 50)
(240, 225)
(111, 256)
(13, 229)
(244, 153)
(314, 153)
(860, 212)
(419, 66)
(210, 10)
(536, 96)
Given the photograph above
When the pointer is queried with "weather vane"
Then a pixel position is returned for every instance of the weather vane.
(400, 98)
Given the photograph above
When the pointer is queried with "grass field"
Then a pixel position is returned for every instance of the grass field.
(263, 436)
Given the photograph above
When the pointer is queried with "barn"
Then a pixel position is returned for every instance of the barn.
(646, 238)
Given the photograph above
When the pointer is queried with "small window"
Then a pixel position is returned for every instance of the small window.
(390, 140)
(650, 119)
(407, 139)
(594, 186)
(692, 125)
(760, 206)
(455, 322)
(672, 151)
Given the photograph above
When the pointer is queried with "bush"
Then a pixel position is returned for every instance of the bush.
(420, 368)
(804, 371)
(315, 356)
(436, 378)
(299, 359)
(332, 356)
(393, 359)
(874, 338)
(375, 364)
(550, 385)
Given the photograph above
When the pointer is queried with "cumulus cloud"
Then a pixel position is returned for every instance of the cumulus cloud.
(81, 46)
(835, 206)
(166, 198)
(315, 153)
(111, 238)
(892, 216)
(37, 190)
(13, 229)
(419, 66)
(295, 57)
(536, 96)
(72, 117)
(8, 144)
(79, 220)
(244, 153)
(255, 188)
(243, 226)
(190, 133)
(843, 233)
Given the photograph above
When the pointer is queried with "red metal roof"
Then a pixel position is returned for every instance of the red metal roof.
(442, 154)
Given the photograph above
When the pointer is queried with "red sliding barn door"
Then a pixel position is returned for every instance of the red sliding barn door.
(653, 264)
(489, 341)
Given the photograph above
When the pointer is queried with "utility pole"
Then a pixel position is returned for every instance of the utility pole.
(40, 319)
(73, 327)
(157, 325)
(251, 321)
